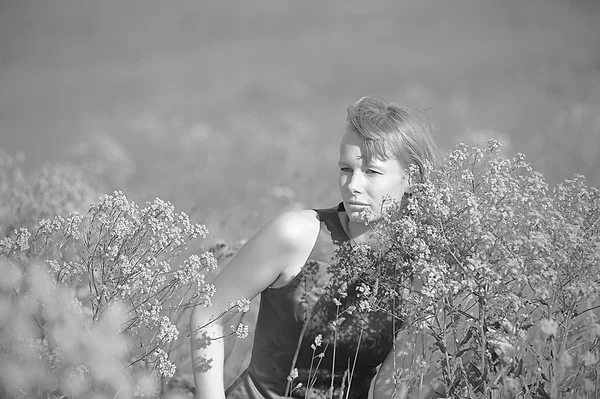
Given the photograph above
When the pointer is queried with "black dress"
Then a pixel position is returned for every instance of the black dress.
(291, 318)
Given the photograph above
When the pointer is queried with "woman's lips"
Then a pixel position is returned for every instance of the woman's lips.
(358, 204)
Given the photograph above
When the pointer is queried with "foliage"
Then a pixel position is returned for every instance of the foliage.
(104, 160)
(50, 346)
(114, 256)
(25, 199)
(495, 277)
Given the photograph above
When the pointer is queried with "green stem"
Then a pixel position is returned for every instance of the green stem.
(484, 374)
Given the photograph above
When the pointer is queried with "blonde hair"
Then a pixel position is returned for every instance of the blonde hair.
(390, 131)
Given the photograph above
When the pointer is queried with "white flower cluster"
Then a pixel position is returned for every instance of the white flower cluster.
(242, 305)
(195, 268)
(167, 331)
(241, 331)
(202, 298)
(318, 342)
(151, 314)
(22, 239)
(164, 366)
(49, 226)
(293, 374)
(73, 224)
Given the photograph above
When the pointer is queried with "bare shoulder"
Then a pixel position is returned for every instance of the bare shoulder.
(293, 229)
(296, 223)
(282, 244)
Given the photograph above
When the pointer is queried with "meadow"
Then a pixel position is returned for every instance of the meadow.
(233, 111)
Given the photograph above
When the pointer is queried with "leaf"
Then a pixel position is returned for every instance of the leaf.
(467, 337)
(519, 368)
(474, 369)
(463, 351)
(439, 343)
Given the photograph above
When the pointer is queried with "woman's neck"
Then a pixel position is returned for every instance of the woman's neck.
(357, 231)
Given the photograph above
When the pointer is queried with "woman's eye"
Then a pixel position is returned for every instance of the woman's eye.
(371, 171)
(345, 170)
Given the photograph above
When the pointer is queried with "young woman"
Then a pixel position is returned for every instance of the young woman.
(291, 263)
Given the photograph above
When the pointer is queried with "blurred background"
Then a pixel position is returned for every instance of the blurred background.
(233, 110)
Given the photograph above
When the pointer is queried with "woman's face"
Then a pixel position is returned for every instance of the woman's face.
(363, 184)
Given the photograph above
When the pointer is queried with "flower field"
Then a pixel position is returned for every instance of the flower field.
(140, 148)
(494, 277)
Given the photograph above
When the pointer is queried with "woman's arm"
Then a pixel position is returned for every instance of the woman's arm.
(285, 242)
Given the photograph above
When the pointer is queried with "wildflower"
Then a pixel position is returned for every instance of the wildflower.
(242, 305)
(122, 228)
(318, 342)
(163, 364)
(241, 331)
(73, 223)
(82, 369)
(151, 314)
(6, 245)
(364, 306)
(368, 216)
(54, 266)
(203, 297)
(548, 326)
(336, 323)
(503, 348)
(22, 240)
(293, 374)
(363, 290)
(343, 290)
(167, 331)
(194, 267)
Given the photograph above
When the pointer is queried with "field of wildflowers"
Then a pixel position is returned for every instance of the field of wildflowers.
(232, 119)
(494, 276)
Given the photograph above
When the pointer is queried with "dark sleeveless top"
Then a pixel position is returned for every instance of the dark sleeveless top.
(291, 317)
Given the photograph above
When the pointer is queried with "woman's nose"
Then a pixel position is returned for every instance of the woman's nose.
(355, 183)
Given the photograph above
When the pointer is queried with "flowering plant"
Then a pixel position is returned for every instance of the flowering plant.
(118, 256)
(28, 198)
(495, 277)
(51, 348)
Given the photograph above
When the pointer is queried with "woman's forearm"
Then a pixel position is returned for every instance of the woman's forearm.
(207, 356)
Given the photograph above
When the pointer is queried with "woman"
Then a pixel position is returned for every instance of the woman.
(299, 336)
